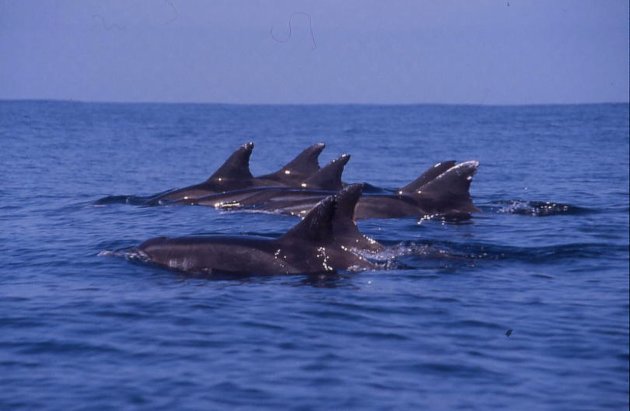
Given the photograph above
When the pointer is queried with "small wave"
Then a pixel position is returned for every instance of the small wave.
(150, 200)
(130, 253)
(410, 249)
(107, 253)
(450, 219)
(537, 208)
(476, 251)
(382, 260)
(123, 199)
(393, 257)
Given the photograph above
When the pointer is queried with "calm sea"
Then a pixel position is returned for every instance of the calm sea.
(547, 258)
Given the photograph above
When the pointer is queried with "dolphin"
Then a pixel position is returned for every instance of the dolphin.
(322, 242)
(234, 174)
(323, 183)
(443, 190)
(445, 195)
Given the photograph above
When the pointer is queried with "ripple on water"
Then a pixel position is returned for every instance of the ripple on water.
(536, 208)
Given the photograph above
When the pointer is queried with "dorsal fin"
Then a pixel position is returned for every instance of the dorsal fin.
(304, 164)
(300, 168)
(329, 177)
(345, 229)
(317, 226)
(346, 201)
(450, 190)
(427, 176)
(236, 167)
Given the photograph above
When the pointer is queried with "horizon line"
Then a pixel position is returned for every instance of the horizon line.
(43, 100)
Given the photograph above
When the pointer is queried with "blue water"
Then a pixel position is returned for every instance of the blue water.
(546, 258)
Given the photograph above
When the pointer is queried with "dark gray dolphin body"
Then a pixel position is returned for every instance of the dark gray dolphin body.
(234, 174)
(443, 190)
(323, 183)
(445, 195)
(320, 243)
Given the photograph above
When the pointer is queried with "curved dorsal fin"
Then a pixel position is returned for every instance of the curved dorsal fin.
(236, 167)
(329, 177)
(450, 190)
(346, 201)
(345, 229)
(300, 168)
(427, 176)
(305, 163)
(317, 226)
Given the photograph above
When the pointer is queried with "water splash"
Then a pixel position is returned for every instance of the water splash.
(129, 253)
(536, 208)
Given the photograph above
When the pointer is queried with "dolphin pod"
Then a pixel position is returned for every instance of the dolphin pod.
(327, 239)
(442, 190)
(434, 193)
(234, 174)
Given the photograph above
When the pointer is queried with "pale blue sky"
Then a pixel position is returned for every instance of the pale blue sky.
(353, 51)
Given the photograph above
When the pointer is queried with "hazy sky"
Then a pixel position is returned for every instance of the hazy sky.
(352, 51)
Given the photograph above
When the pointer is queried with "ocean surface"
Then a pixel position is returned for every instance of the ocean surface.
(524, 307)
